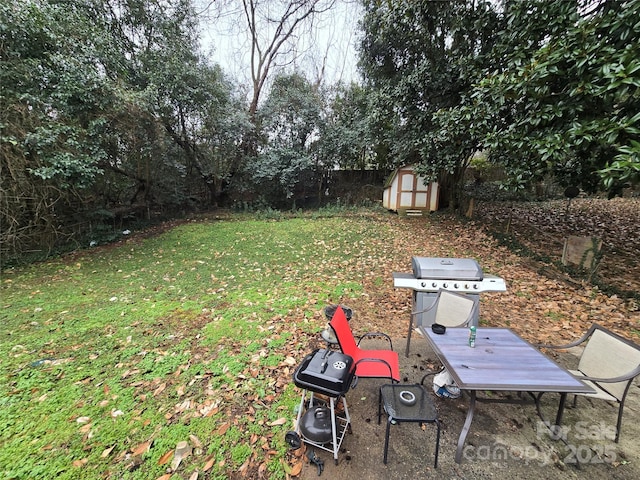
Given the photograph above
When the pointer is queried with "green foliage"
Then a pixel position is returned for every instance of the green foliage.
(625, 168)
(345, 136)
(103, 107)
(290, 119)
(547, 88)
(420, 58)
(568, 104)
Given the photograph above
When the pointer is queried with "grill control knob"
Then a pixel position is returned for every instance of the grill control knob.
(455, 285)
(466, 286)
(423, 284)
(475, 286)
(445, 285)
(434, 284)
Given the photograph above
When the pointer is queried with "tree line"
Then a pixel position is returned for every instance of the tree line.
(109, 109)
(545, 88)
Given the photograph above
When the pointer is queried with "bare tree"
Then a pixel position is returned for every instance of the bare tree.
(274, 29)
(276, 33)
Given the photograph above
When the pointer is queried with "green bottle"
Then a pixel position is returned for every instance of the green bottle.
(472, 336)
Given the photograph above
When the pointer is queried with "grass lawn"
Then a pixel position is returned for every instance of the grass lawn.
(110, 357)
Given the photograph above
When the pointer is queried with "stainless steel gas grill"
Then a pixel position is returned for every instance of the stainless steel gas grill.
(460, 275)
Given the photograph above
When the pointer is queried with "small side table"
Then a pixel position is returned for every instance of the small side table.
(421, 411)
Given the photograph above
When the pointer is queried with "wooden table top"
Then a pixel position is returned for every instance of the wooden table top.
(501, 360)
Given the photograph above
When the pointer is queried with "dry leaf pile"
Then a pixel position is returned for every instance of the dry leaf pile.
(541, 303)
(543, 226)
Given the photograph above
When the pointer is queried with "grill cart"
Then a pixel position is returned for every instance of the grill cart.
(328, 373)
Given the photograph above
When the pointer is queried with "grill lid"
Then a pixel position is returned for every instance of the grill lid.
(325, 371)
(446, 268)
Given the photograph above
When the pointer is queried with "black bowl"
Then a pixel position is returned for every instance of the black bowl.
(439, 329)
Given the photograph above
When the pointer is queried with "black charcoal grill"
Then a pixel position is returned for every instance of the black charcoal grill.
(329, 373)
(431, 274)
(325, 371)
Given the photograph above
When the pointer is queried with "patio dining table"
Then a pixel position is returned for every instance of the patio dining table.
(500, 361)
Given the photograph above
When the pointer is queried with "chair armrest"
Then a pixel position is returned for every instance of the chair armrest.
(575, 343)
(380, 360)
(425, 309)
(377, 334)
(621, 378)
(567, 345)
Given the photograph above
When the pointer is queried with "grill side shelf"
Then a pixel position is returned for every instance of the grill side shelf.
(489, 283)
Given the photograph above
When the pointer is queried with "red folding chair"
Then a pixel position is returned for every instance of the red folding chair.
(369, 363)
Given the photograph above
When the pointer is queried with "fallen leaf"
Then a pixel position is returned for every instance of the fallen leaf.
(280, 421)
(183, 450)
(210, 411)
(211, 459)
(107, 451)
(142, 448)
(166, 457)
(195, 441)
(80, 463)
(160, 389)
(243, 468)
(296, 469)
(222, 429)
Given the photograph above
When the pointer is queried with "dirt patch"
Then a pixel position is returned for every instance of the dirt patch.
(506, 441)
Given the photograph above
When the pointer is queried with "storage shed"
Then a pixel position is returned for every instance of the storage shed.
(406, 193)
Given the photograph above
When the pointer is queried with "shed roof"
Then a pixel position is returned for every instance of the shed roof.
(393, 175)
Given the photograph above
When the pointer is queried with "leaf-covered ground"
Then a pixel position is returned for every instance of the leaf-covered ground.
(542, 227)
(543, 304)
(114, 358)
(541, 299)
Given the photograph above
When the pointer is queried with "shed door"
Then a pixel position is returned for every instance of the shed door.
(406, 182)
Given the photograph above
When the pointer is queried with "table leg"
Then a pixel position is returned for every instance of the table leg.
(466, 426)
(563, 399)
(559, 413)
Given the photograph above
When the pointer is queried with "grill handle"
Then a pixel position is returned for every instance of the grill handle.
(325, 364)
